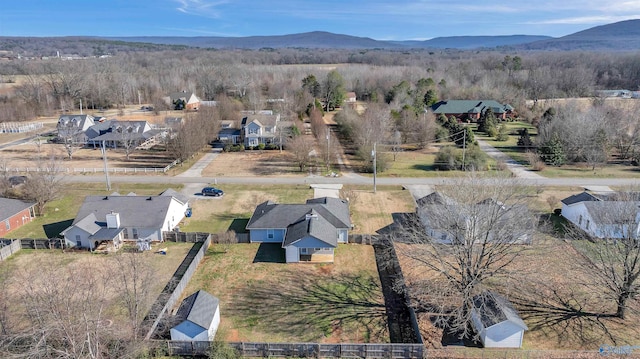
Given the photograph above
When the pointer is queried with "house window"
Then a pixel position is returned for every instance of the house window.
(7, 224)
(587, 224)
(78, 241)
(304, 251)
(253, 142)
(253, 130)
(125, 234)
(317, 249)
(580, 220)
(270, 233)
(135, 233)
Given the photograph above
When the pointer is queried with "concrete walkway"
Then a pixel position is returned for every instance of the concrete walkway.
(517, 169)
(198, 167)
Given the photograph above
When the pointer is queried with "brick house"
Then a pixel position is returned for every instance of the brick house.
(14, 213)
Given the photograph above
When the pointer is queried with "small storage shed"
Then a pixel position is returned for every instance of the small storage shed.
(497, 322)
(198, 318)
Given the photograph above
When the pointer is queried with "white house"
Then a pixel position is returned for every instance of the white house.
(191, 101)
(604, 215)
(307, 232)
(198, 318)
(259, 129)
(116, 218)
(448, 222)
(496, 321)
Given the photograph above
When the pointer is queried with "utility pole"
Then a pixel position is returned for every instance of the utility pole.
(328, 147)
(374, 155)
(81, 106)
(106, 169)
(464, 146)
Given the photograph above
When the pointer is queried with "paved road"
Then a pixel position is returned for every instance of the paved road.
(354, 179)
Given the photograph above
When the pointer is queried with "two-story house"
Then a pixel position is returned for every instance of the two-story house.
(259, 129)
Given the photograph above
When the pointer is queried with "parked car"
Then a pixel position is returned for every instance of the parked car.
(212, 191)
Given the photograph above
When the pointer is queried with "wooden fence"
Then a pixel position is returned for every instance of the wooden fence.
(173, 290)
(305, 350)
(9, 247)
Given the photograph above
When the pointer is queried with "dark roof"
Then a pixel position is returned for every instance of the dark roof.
(580, 197)
(272, 215)
(135, 211)
(494, 309)
(10, 207)
(433, 198)
(312, 224)
(469, 106)
(106, 234)
(198, 308)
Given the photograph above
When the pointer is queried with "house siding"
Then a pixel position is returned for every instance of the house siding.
(262, 235)
(16, 221)
(292, 254)
(310, 242)
(502, 335)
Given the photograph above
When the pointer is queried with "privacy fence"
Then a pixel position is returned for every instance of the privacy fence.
(304, 350)
(173, 290)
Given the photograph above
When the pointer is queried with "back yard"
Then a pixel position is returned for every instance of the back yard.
(264, 299)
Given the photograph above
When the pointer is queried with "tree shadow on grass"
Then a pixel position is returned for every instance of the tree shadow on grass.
(312, 307)
(565, 315)
(270, 253)
(52, 230)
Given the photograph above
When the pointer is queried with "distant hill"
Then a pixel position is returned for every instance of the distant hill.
(473, 42)
(619, 36)
(315, 39)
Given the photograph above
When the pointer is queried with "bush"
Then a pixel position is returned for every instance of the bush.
(503, 133)
(233, 148)
(261, 146)
(451, 158)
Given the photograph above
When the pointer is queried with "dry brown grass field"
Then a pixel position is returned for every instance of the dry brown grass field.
(263, 299)
(27, 263)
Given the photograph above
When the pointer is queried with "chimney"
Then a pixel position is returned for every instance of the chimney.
(113, 220)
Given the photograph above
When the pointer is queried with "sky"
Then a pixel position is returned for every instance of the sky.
(380, 20)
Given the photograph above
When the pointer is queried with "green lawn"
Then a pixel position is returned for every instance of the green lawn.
(232, 211)
(60, 212)
(510, 146)
(263, 299)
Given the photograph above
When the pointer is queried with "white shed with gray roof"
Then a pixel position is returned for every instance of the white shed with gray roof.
(198, 318)
(496, 321)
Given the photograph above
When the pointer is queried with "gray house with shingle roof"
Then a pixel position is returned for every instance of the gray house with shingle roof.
(198, 318)
(307, 232)
(116, 218)
(604, 215)
(496, 321)
(471, 109)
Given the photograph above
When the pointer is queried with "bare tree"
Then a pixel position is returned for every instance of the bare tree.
(134, 280)
(43, 185)
(301, 148)
(128, 137)
(612, 248)
(66, 317)
(69, 134)
(464, 235)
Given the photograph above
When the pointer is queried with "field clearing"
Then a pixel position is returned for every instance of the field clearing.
(263, 299)
(27, 154)
(371, 212)
(254, 163)
(551, 290)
